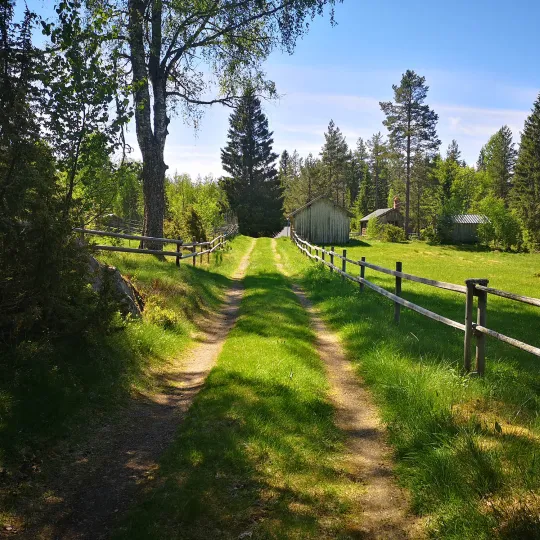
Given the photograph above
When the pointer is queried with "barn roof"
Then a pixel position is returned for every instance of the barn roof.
(469, 218)
(307, 205)
(377, 213)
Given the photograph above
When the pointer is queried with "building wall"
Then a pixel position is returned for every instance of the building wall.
(465, 232)
(322, 223)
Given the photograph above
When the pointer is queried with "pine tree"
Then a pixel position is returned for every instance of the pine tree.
(377, 163)
(500, 159)
(525, 192)
(481, 162)
(412, 125)
(359, 168)
(335, 159)
(253, 188)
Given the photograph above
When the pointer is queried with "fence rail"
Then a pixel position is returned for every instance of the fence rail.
(473, 288)
(211, 246)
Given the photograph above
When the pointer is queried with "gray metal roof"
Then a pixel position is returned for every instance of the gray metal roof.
(470, 218)
(377, 213)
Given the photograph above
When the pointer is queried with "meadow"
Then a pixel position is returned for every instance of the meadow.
(467, 448)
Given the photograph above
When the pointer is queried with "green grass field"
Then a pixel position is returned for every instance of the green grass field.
(258, 452)
(469, 478)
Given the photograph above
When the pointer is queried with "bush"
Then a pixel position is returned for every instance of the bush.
(391, 233)
(503, 229)
(163, 317)
(374, 228)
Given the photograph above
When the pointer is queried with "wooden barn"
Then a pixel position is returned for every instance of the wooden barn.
(391, 216)
(465, 227)
(321, 221)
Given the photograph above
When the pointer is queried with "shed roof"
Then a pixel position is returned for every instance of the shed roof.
(469, 218)
(377, 213)
(307, 205)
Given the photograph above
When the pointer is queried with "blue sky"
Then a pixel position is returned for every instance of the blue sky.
(480, 58)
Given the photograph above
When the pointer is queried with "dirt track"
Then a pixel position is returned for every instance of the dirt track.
(101, 479)
(384, 505)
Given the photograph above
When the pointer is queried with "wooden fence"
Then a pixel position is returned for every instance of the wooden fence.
(205, 248)
(472, 288)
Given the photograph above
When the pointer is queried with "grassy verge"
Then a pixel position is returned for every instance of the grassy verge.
(258, 453)
(54, 392)
(468, 449)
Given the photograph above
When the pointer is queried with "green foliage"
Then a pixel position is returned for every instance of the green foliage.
(253, 187)
(526, 190)
(374, 228)
(204, 196)
(43, 289)
(391, 233)
(192, 226)
(502, 228)
(499, 158)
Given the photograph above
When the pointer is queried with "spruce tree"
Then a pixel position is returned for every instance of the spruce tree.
(453, 153)
(335, 159)
(359, 169)
(412, 125)
(500, 159)
(525, 192)
(253, 188)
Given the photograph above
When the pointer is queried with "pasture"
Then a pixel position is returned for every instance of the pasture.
(467, 448)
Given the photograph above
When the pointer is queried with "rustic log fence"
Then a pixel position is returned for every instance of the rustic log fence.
(473, 288)
(205, 248)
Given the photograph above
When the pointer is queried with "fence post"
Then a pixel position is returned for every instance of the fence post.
(481, 338)
(469, 305)
(322, 252)
(194, 250)
(397, 307)
(344, 264)
(362, 273)
(209, 247)
(178, 256)
(332, 258)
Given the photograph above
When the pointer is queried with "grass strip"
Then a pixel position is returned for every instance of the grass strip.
(259, 454)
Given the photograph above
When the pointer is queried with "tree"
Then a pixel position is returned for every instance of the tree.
(253, 188)
(335, 159)
(525, 192)
(411, 124)
(481, 162)
(500, 159)
(453, 153)
(359, 169)
(377, 163)
(190, 54)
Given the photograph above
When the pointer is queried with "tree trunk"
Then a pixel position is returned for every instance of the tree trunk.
(151, 138)
(153, 175)
(408, 180)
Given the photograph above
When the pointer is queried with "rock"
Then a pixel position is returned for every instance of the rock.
(102, 276)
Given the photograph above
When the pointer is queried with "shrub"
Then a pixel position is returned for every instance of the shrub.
(160, 316)
(391, 233)
(374, 228)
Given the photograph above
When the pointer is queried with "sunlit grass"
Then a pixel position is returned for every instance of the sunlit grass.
(258, 452)
(466, 448)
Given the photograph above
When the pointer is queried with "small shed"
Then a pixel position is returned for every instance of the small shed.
(465, 227)
(390, 216)
(321, 221)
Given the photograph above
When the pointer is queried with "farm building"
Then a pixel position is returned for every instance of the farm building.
(321, 221)
(465, 227)
(391, 216)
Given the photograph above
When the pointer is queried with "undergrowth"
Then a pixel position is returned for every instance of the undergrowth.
(54, 391)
